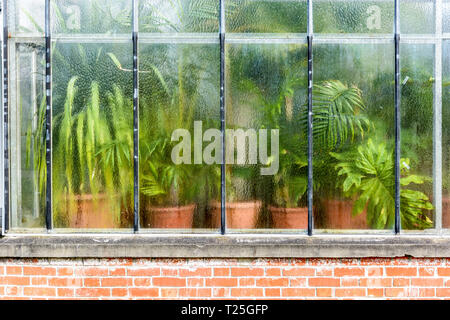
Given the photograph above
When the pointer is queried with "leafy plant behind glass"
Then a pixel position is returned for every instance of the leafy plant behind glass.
(369, 175)
(91, 145)
(178, 87)
(338, 118)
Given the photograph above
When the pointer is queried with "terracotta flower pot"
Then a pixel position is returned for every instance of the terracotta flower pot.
(170, 217)
(289, 218)
(240, 215)
(95, 212)
(339, 215)
(445, 212)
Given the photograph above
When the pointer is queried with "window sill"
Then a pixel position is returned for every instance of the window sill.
(216, 246)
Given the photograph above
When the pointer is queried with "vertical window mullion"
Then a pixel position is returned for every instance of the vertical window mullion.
(48, 117)
(5, 213)
(135, 116)
(310, 120)
(437, 119)
(397, 116)
(222, 114)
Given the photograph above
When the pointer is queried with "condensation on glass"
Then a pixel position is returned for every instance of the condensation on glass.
(91, 17)
(179, 137)
(446, 135)
(266, 16)
(353, 106)
(417, 88)
(26, 17)
(266, 136)
(417, 16)
(266, 102)
(26, 62)
(92, 114)
(348, 16)
(446, 16)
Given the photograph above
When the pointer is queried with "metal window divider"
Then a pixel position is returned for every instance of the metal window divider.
(397, 116)
(5, 160)
(310, 120)
(222, 117)
(48, 118)
(135, 32)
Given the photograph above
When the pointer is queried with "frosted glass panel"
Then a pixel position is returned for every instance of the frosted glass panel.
(353, 105)
(266, 16)
(369, 17)
(179, 122)
(26, 16)
(266, 136)
(27, 145)
(417, 211)
(446, 135)
(184, 16)
(92, 135)
(417, 16)
(91, 16)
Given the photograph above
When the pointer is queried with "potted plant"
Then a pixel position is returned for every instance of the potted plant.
(242, 209)
(289, 207)
(369, 176)
(91, 159)
(92, 132)
(168, 187)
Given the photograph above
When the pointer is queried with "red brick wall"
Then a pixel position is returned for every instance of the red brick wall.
(225, 278)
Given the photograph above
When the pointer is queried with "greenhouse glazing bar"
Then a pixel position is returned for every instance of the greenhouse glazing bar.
(48, 117)
(222, 116)
(310, 120)
(5, 213)
(397, 116)
(135, 118)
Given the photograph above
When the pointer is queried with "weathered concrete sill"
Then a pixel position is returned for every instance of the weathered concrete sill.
(215, 246)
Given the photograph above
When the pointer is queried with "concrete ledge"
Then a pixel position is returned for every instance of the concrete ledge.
(214, 246)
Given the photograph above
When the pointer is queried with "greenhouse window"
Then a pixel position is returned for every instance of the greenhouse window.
(285, 117)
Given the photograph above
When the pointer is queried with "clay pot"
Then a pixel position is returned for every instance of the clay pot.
(289, 218)
(339, 215)
(240, 215)
(445, 212)
(94, 212)
(170, 217)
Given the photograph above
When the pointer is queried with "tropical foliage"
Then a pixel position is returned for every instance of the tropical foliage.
(93, 118)
(369, 174)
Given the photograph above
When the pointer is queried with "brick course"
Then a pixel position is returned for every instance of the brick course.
(366, 278)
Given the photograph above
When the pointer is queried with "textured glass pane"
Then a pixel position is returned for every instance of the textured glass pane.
(92, 135)
(350, 16)
(27, 146)
(353, 105)
(91, 16)
(417, 136)
(26, 16)
(417, 16)
(179, 133)
(266, 136)
(179, 16)
(446, 135)
(266, 16)
(446, 15)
